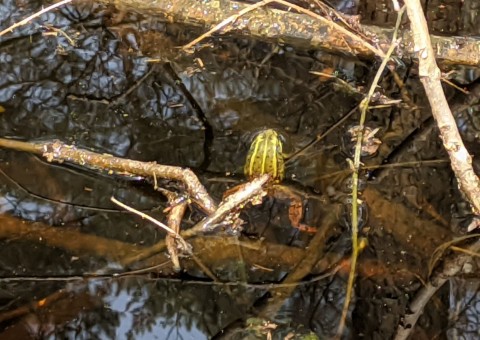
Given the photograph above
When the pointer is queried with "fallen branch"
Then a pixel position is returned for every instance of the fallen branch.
(314, 252)
(172, 235)
(176, 211)
(59, 152)
(297, 29)
(399, 221)
(306, 30)
(213, 251)
(234, 202)
(430, 76)
(63, 238)
(226, 214)
(329, 23)
(452, 267)
(223, 214)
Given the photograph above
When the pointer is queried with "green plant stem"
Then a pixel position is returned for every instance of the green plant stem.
(356, 166)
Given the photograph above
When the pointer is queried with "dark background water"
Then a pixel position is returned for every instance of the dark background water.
(104, 93)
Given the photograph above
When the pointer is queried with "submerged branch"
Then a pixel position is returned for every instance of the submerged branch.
(452, 267)
(226, 214)
(313, 253)
(304, 29)
(64, 238)
(267, 24)
(230, 205)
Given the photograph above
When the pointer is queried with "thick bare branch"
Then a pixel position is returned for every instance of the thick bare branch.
(430, 77)
(57, 151)
(300, 30)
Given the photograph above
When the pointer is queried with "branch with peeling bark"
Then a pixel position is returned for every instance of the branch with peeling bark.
(430, 76)
(226, 214)
(59, 152)
(304, 29)
(460, 159)
(299, 29)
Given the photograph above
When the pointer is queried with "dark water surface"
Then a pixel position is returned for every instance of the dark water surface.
(116, 83)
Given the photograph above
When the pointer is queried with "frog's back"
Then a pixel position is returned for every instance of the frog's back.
(266, 156)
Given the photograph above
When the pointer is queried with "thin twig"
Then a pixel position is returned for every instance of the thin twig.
(334, 25)
(225, 22)
(204, 268)
(465, 251)
(340, 16)
(151, 219)
(455, 86)
(33, 16)
(57, 31)
(233, 203)
(300, 9)
(452, 267)
(355, 175)
(141, 273)
(441, 249)
(143, 215)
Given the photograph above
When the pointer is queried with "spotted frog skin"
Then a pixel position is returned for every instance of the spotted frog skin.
(265, 156)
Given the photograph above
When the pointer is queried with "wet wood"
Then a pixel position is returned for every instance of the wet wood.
(214, 252)
(313, 253)
(231, 206)
(394, 217)
(453, 266)
(54, 311)
(226, 214)
(59, 152)
(299, 30)
(457, 50)
(415, 234)
(430, 75)
(70, 240)
(174, 221)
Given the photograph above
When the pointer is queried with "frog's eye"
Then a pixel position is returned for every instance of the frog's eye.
(282, 138)
(248, 137)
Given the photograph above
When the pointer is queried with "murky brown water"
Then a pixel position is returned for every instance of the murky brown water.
(64, 275)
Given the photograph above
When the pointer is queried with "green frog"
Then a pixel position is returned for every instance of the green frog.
(266, 156)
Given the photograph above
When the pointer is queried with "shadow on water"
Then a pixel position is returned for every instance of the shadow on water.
(95, 85)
